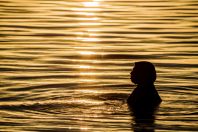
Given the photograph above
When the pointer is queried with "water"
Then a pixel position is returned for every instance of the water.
(65, 64)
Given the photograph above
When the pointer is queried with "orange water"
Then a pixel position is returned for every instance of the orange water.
(65, 64)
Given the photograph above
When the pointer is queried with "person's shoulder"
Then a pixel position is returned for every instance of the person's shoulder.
(141, 97)
(136, 97)
(133, 96)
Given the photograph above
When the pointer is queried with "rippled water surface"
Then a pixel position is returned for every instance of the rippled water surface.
(65, 64)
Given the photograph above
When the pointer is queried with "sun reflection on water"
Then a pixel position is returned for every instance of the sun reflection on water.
(84, 67)
(87, 53)
(91, 4)
(89, 21)
(84, 128)
(88, 39)
(88, 35)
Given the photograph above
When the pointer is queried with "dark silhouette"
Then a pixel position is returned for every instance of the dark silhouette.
(144, 100)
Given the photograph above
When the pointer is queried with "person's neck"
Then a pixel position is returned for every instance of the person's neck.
(145, 85)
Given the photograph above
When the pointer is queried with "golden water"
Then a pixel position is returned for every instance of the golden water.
(65, 64)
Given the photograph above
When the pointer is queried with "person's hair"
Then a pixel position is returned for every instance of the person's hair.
(144, 72)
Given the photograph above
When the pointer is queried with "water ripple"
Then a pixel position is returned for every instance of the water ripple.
(68, 62)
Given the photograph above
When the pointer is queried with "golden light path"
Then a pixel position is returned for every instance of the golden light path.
(88, 18)
(88, 36)
(91, 4)
(84, 67)
(87, 53)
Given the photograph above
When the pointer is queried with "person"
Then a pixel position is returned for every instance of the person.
(145, 94)
(144, 100)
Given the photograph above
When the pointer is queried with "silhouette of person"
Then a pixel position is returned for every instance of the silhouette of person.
(144, 100)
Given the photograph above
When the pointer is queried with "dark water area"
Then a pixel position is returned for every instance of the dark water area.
(65, 65)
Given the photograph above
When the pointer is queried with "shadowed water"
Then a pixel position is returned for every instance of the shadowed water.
(65, 65)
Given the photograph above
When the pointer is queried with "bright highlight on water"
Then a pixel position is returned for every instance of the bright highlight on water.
(65, 65)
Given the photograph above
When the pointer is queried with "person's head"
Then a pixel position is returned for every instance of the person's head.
(143, 73)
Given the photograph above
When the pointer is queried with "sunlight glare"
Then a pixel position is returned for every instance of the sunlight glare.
(90, 39)
(88, 101)
(87, 73)
(91, 4)
(89, 19)
(90, 91)
(84, 67)
(87, 53)
(83, 128)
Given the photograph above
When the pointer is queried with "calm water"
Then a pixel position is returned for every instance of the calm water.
(65, 64)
